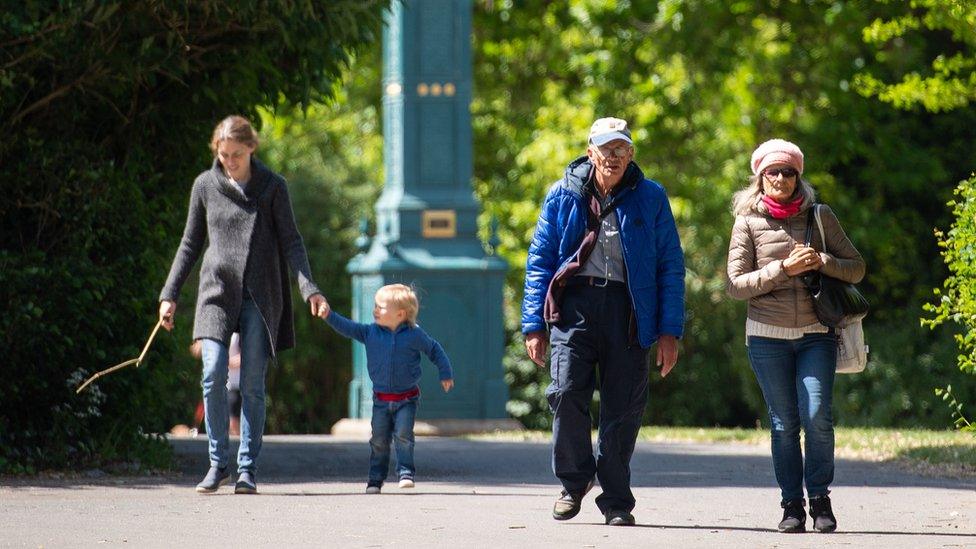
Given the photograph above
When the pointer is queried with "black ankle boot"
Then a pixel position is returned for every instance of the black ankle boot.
(822, 514)
(794, 517)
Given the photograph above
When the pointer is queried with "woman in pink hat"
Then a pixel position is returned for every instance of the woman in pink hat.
(792, 354)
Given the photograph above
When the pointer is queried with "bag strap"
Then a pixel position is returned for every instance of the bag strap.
(823, 237)
(809, 232)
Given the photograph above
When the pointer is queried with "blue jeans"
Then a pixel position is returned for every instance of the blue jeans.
(392, 421)
(255, 351)
(797, 381)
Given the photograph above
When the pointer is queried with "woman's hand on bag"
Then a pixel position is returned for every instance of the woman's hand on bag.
(802, 259)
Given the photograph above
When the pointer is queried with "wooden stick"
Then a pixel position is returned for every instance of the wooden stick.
(149, 341)
(105, 372)
(121, 365)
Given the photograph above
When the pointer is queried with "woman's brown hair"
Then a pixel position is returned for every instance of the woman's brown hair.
(234, 128)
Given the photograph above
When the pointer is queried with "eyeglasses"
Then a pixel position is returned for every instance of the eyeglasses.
(618, 151)
(786, 172)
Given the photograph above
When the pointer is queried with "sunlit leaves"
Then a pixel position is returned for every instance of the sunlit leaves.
(956, 300)
(951, 83)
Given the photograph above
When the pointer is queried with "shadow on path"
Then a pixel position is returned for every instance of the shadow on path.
(463, 461)
(774, 531)
(289, 459)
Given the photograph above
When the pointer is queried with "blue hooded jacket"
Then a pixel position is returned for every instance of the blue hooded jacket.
(652, 251)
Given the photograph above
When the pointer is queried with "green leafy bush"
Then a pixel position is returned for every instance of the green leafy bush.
(957, 298)
(106, 110)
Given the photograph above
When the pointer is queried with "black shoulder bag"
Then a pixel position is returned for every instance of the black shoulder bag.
(837, 303)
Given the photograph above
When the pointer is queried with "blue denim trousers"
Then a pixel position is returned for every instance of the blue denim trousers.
(797, 381)
(255, 352)
(592, 344)
(392, 422)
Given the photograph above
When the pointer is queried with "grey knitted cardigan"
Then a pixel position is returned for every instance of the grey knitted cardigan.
(252, 239)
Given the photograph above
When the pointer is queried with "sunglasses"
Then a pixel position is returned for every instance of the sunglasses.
(619, 151)
(786, 172)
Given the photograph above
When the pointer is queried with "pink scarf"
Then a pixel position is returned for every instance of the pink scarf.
(782, 211)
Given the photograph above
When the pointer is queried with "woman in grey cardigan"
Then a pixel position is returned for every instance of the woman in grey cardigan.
(793, 355)
(240, 218)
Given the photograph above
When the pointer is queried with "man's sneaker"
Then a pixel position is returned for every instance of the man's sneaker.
(373, 487)
(822, 515)
(406, 482)
(794, 517)
(619, 517)
(216, 477)
(245, 483)
(567, 505)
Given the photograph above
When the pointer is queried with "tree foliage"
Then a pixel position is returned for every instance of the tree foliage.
(106, 109)
(332, 156)
(950, 86)
(949, 82)
(703, 83)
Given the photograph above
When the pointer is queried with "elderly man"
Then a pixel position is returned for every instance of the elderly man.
(605, 273)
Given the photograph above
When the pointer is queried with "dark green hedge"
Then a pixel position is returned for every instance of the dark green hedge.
(105, 112)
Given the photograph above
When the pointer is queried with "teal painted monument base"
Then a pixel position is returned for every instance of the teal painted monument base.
(360, 428)
(461, 307)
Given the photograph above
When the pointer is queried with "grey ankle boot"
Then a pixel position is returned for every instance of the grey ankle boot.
(216, 477)
(246, 483)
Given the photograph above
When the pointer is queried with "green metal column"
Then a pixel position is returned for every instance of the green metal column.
(426, 233)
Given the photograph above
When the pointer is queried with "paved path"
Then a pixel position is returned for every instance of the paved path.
(477, 494)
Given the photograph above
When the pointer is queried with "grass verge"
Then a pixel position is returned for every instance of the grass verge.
(936, 453)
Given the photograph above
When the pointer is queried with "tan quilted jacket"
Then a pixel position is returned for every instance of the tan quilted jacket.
(758, 247)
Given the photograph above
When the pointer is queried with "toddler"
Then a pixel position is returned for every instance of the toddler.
(394, 344)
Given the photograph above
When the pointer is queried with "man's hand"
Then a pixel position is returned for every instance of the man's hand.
(447, 384)
(667, 353)
(167, 311)
(318, 305)
(536, 345)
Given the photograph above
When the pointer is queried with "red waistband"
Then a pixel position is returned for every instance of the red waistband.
(397, 397)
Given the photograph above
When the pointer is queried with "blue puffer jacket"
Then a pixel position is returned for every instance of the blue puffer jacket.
(652, 252)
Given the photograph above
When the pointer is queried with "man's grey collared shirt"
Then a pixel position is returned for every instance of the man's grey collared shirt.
(607, 258)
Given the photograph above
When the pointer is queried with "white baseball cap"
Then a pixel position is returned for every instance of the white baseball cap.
(606, 130)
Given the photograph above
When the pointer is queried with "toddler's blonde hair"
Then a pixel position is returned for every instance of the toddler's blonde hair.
(404, 298)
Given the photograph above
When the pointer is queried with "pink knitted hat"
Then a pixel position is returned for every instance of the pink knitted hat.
(776, 151)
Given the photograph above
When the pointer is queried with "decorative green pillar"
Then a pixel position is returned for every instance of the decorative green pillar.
(426, 233)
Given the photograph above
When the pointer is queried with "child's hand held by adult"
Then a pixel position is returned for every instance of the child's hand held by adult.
(318, 305)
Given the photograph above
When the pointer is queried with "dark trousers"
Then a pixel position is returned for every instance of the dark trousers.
(594, 331)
